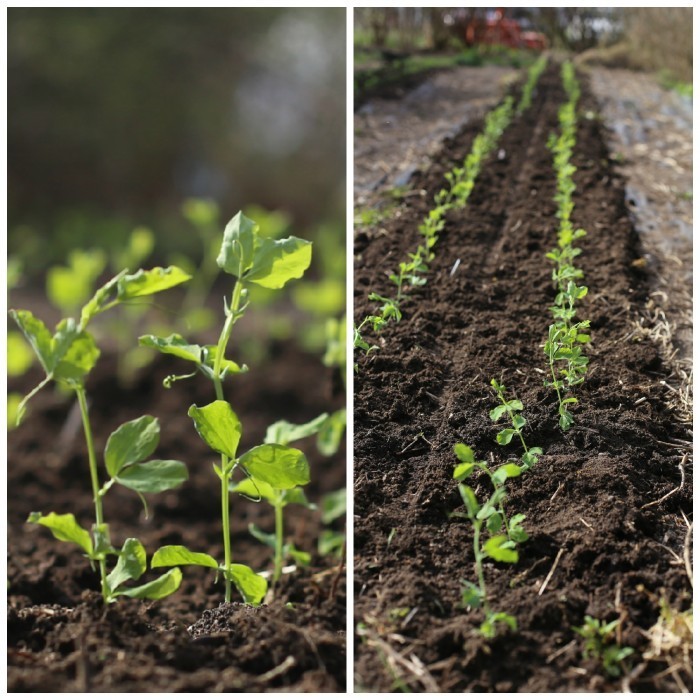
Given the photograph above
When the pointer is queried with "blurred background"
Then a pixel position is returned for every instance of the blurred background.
(135, 134)
(414, 39)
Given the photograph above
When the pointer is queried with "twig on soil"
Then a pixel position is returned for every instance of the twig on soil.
(551, 572)
(587, 524)
(337, 577)
(561, 651)
(414, 666)
(686, 551)
(556, 493)
(277, 670)
(670, 493)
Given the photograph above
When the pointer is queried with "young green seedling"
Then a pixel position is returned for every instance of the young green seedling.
(488, 515)
(67, 357)
(599, 644)
(280, 433)
(513, 408)
(269, 263)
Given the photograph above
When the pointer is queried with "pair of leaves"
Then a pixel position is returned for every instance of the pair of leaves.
(130, 565)
(267, 262)
(329, 428)
(127, 448)
(250, 585)
(203, 356)
(280, 466)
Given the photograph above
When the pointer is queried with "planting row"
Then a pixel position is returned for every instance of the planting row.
(461, 180)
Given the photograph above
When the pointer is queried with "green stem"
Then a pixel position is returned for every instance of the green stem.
(225, 522)
(279, 543)
(231, 318)
(94, 478)
(478, 557)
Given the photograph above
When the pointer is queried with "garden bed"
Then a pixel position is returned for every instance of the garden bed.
(62, 638)
(598, 544)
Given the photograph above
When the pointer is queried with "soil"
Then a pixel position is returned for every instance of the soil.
(62, 638)
(598, 543)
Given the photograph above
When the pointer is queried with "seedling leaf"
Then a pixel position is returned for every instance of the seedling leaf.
(275, 262)
(64, 528)
(333, 505)
(154, 476)
(38, 336)
(249, 584)
(130, 565)
(505, 472)
(146, 282)
(499, 548)
(267, 538)
(282, 432)
(462, 471)
(131, 442)
(464, 453)
(472, 595)
(238, 246)
(161, 587)
(77, 359)
(505, 436)
(175, 345)
(254, 490)
(177, 555)
(331, 433)
(469, 499)
(218, 426)
(280, 466)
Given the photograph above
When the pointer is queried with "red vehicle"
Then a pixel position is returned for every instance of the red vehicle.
(497, 29)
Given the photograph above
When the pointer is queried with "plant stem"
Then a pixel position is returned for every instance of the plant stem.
(279, 543)
(231, 318)
(225, 523)
(94, 478)
(477, 562)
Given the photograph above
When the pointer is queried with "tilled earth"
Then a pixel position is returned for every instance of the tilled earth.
(61, 638)
(602, 541)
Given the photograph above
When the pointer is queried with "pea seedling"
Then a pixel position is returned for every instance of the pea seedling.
(599, 644)
(67, 357)
(488, 515)
(269, 263)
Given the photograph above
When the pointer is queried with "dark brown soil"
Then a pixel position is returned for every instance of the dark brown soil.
(62, 638)
(427, 387)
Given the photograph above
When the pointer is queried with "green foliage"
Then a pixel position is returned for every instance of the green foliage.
(599, 644)
(67, 357)
(533, 75)
(487, 515)
(274, 470)
(563, 347)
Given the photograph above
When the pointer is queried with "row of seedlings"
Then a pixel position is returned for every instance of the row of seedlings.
(461, 180)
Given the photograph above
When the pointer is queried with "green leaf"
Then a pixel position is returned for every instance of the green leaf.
(296, 496)
(255, 490)
(131, 442)
(497, 412)
(146, 282)
(472, 595)
(505, 436)
(282, 432)
(218, 426)
(77, 360)
(275, 262)
(519, 422)
(329, 542)
(331, 433)
(301, 558)
(494, 523)
(462, 471)
(499, 548)
(507, 471)
(489, 628)
(469, 499)
(100, 299)
(333, 506)
(177, 555)
(515, 405)
(249, 584)
(267, 538)
(464, 453)
(238, 246)
(130, 565)
(64, 528)
(280, 466)
(485, 512)
(227, 366)
(155, 476)
(37, 335)
(175, 345)
(161, 587)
